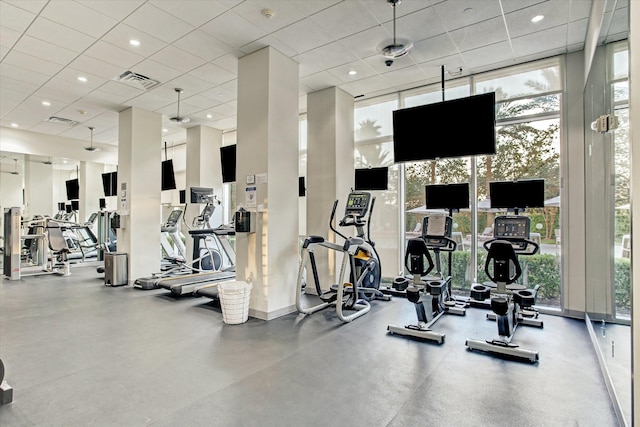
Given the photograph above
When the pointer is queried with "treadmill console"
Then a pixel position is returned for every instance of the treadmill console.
(357, 204)
(174, 217)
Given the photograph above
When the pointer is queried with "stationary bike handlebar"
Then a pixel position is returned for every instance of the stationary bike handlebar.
(524, 251)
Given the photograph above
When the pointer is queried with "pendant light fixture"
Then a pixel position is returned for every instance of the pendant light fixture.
(177, 118)
(91, 147)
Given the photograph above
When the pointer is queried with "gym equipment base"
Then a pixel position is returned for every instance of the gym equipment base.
(416, 332)
(501, 347)
(522, 320)
(6, 393)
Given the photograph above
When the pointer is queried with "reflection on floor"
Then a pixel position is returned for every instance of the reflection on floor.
(614, 344)
(79, 353)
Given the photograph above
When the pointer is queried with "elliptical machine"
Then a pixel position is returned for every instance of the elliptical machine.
(430, 295)
(511, 303)
(358, 255)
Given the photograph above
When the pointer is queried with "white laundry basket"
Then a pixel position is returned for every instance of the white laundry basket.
(234, 300)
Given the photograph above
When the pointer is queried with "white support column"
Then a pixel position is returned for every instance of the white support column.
(38, 188)
(90, 189)
(330, 170)
(203, 169)
(139, 159)
(267, 149)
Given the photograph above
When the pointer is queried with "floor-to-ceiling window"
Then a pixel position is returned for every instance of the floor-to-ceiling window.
(528, 119)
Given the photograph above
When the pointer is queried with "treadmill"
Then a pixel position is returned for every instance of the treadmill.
(214, 262)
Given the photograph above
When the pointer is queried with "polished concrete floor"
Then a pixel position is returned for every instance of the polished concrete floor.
(78, 353)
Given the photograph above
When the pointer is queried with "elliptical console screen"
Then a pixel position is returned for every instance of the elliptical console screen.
(174, 216)
(511, 227)
(357, 204)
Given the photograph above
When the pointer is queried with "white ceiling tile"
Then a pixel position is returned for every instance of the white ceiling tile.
(32, 63)
(201, 101)
(227, 109)
(60, 35)
(433, 69)
(461, 13)
(577, 32)
(14, 17)
(345, 18)
(433, 48)
(8, 37)
(156, 71)
(411, 76)
(383, 13)
(579, 9)
(519, 22)
(286, 12)
(366, 43)
(120, 90)
(203, 45)
(513, 5)
(177, 59)
(268, 41)
(374, 83)
(321, 80)
(198, 12)
(3, 52)
(416, 26)
(303, 36)
(233, 29)
(33, 6)
(113, 55)
(78, 17)
(153, 102)
(115, 9)
(619, 22)
(12, 96)
(483, 56)
(328, 56)
(107, 99)
(541, 41)
(191, 85)
(360, 67)
(89, 64)
(122, 33)
(158, 23)
(212, 74)
(45, 50)
(481, 34)
(228, 62)
(22, 74)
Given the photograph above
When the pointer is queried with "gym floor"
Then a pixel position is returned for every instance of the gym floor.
(79, 353)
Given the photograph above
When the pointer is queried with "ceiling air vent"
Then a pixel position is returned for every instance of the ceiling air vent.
(62, 121)
(137, 80)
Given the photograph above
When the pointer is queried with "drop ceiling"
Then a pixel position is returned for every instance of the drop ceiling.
(45, 46)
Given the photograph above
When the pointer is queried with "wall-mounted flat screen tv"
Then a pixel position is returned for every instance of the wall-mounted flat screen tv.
(456, 128)
(371, 179)
(168, 177)
(447, 196)
(522, 194)
(73, 189)
(228, 163)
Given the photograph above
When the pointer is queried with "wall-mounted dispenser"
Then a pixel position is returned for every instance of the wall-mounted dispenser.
(245, 221)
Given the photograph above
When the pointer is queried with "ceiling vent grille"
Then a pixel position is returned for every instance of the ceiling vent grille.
(137, 80)
(62, 121)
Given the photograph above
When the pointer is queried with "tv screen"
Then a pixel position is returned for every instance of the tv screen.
(302, 189)
(103, 203)
(68, 208)
(447, 196)
(517, 194)
(201, 194)
(168, 177)
(371, 179)
(456, 128)
(110, 183)
(61, 206)
(183, 197)
(75, 205)
(228, 163)
(73, 189)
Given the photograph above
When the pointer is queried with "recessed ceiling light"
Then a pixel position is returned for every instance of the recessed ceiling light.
(268, 13)
(209, 116)
(537, 18)
(46, 103)
(14, 125)
(352, 72)
(134, 42)
(165, 130)
(82, 79)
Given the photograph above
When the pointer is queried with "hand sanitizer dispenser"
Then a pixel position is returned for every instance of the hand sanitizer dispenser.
(245, 221)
